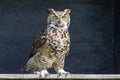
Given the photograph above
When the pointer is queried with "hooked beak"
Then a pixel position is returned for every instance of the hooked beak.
(60, 24)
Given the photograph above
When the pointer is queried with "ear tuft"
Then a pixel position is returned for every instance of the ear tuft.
(51, 10)
(67, 11)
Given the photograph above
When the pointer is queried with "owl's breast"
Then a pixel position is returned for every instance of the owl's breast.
(58, 40)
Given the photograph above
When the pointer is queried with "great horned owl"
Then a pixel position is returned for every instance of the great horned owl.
(51, 46)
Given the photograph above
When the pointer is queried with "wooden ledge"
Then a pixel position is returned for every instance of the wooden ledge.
(54, 76)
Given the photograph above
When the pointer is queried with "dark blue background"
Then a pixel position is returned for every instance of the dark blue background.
(92, 33)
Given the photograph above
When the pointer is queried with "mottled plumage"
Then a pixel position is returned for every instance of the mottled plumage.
(51, 46)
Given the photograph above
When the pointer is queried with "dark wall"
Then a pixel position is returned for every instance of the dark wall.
(117, 37)
(91, 29)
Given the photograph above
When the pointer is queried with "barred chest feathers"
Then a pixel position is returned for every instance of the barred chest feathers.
(59, 40)
(51, 46)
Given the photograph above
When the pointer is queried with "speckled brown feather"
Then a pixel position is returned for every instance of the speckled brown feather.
(39, 42)
(51, 46)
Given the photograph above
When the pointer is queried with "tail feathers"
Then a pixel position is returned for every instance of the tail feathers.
(23, 67)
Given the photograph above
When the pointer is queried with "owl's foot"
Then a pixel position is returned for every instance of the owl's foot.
(43, 73)
(62, 72)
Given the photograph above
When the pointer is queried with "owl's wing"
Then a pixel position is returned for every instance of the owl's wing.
(39, 42)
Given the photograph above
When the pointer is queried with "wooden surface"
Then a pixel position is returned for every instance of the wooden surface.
(71, 76)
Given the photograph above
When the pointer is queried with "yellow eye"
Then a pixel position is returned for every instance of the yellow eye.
(55, 17)
(64, 17)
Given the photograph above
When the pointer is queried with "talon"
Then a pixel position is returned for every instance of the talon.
(59, 75)
(36, 72)
(67, 74)
(47, 75)
(43, 73)
(61, 72)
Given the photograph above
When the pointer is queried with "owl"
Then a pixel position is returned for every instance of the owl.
(51, 46)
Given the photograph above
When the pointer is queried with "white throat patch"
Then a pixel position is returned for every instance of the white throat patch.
(58, 28)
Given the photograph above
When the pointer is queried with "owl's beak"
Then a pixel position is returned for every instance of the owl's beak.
(60, 24)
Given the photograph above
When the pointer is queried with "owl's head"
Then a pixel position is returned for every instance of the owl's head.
(59, 19)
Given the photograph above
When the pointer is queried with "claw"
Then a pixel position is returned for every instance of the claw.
(47, 75)
(37, 72)
(62, 72)
(43, 73)
(58, 75)
(67, 74)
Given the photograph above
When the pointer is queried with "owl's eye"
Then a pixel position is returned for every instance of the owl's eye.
(64, 17)
(55, 17)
